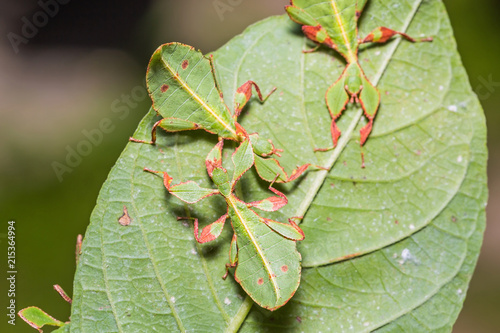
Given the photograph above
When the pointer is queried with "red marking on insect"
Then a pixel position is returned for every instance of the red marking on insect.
(240, 131)
(312, 33)
(206, 235)
(185, 64)
(164, 88)
(386, 34)
(298, 319)
(365, 131)
(397, 222)
(245, 89)
(260, 281)
(277, 202)
(453, 219)
(215, 163)
(328, 219)
(284, 268)
(299, 171)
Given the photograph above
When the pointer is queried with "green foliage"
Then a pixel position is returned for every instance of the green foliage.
(390, 247)
(37, 318)
(180, 76)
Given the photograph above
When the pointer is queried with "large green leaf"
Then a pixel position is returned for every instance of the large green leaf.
(408, 227)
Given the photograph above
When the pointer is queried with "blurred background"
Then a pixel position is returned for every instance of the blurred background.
(74, 82)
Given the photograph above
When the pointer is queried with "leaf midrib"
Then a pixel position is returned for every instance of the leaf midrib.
(198, 98)
(344, 139)
(347, 135)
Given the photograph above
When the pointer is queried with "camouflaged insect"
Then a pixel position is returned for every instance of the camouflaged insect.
(334, 23)
(262, 250)
(182, 84)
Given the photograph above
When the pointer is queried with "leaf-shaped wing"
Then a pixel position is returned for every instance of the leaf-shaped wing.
(338, 18)
(268, 264)
(182, 85)
(243, 159)
(190, 192)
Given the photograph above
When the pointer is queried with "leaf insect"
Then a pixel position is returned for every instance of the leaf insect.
(183, 87)
(334, 23)
(262, 250)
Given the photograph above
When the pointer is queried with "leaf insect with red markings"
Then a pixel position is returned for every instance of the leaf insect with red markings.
(262, 250)
(334, 23)
(183, 87)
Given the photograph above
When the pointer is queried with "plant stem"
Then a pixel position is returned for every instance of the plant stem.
(322, 174)
(344, 139)
(240, 316)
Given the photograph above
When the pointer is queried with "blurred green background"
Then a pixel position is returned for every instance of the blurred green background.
(86, 65)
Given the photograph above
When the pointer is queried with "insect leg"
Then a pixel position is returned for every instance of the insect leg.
(369, 98)
(208, 233)
(336, 100)
(312, 50)
(244, 93)
(270, 204)
(270, 170)
(233, 256)
(383, 34)
(189, 192)
(169, 125)
(212, 66)
(291, 230)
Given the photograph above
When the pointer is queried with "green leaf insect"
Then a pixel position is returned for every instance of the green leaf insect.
(183, 87)
(37, 318)
(262, 250)
(334, 23)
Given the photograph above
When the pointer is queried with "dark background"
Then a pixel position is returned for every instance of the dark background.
(81, 65)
